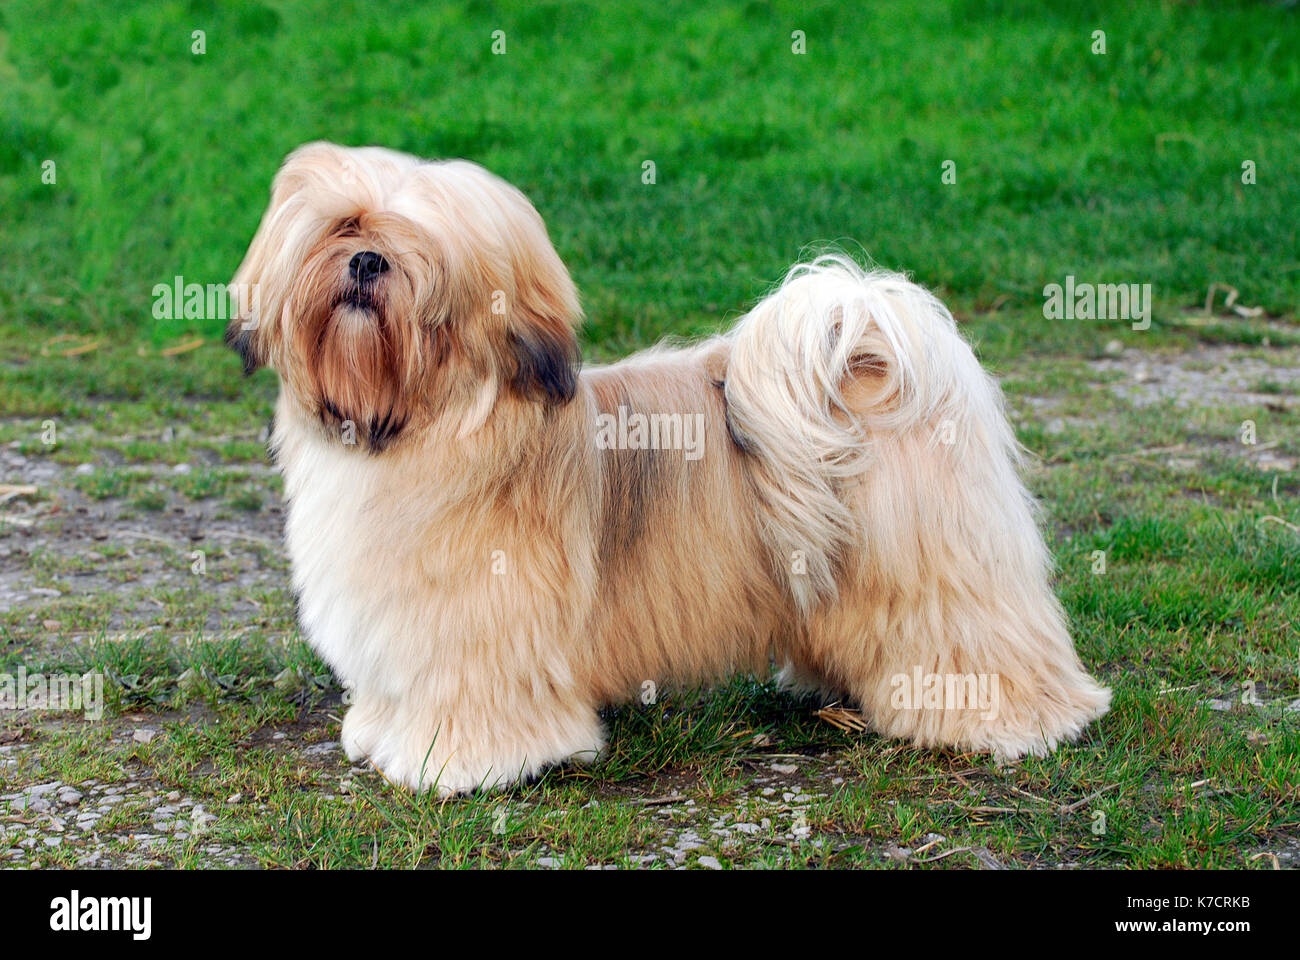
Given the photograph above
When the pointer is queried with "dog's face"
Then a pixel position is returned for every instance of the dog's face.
(389, 292)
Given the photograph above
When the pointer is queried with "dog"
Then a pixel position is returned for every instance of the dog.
(488, 544)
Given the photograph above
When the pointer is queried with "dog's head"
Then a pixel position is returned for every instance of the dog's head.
(387, 292)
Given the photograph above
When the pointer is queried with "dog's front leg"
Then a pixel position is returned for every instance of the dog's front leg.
(364, 725)
(434, 739)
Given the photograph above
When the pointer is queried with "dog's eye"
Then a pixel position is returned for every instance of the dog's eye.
(350, 227)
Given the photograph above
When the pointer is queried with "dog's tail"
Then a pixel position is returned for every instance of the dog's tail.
(821, 370)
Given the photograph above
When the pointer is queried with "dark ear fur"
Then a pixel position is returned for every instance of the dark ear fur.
(241, 341)
(546, 364)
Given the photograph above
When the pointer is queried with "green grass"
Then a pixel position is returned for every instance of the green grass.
(1123, 168)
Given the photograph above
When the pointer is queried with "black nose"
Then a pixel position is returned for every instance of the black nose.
(367, 265)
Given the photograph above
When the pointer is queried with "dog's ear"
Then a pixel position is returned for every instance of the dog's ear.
(545, 363)
(243, 334)
(239, 337)
(542, 345)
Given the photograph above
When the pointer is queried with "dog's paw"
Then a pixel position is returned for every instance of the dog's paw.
(410, 754)
(447, 776)
(1045, 729)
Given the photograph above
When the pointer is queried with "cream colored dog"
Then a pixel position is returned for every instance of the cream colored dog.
(488, 546)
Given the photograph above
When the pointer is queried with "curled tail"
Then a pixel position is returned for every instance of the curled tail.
(836, 356)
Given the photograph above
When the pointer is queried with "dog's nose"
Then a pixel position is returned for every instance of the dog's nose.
(367, 265)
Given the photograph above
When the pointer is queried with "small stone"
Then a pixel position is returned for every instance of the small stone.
(143, 735)
(1114, 348)
(174, 796)
(710, 862)
(200, 819)
(786, 768)
(897, 854)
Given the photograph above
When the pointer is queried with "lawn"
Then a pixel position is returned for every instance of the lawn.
(983, 147)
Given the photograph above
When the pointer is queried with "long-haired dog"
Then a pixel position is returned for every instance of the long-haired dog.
(487, 546)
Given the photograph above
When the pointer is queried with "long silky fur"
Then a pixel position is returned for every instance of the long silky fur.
(484, 575)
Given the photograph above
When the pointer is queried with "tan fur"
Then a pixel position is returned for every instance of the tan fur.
(484, 572)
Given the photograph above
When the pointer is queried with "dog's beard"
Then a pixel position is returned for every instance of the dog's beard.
(353, 349)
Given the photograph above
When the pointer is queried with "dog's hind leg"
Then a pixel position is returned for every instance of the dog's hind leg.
(945, 628)
(886, 468)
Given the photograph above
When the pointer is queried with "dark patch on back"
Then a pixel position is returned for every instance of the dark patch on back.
(635, 482)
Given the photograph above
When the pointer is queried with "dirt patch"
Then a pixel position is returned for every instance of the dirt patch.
(194, 564)
(1207, 376)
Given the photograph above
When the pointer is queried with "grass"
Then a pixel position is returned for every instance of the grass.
(1124, 168)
